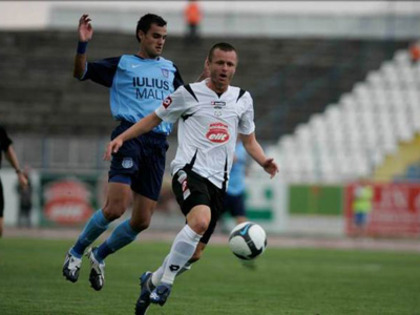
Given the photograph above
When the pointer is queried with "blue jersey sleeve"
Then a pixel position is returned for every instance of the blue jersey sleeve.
(177, 79)
(102, 71)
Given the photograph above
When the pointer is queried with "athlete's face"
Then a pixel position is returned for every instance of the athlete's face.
(151, 43)
(222, 68)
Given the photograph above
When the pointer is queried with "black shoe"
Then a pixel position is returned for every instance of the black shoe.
(71, 267)
(97, 271)
(146, 286)
(160, 294)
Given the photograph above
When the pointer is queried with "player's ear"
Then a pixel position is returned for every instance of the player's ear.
(141, 35)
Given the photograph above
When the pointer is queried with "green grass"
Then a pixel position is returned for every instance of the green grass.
(286, 281)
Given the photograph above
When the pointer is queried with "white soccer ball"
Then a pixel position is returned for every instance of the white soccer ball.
(247, 240)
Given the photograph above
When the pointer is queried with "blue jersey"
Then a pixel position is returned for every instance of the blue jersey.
(237, 174)
(138, 86)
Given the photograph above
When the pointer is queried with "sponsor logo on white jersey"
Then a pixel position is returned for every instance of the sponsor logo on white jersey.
(218, 104)
(218, 132)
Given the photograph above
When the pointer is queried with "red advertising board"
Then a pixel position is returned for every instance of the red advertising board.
(388, 210)
(67, 200)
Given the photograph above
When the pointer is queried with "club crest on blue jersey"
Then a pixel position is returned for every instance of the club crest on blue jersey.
(127, 162)
(165, 72)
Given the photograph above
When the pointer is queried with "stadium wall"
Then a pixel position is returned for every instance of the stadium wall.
(316, 199)
(226, 21)
(68, 199)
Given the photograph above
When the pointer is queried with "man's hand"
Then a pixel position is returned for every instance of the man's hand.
(112, 147)
(85, 28)
(23, 181)
(270, 167)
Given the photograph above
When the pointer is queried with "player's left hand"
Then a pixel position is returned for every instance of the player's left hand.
(23, 181)
(270, 167)
(112, 147)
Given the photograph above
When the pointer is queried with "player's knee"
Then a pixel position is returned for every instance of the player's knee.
(111, 216)
(200, 226)
(139, 225)
(113, 211)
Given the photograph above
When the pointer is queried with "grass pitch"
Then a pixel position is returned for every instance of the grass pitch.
(285, 281)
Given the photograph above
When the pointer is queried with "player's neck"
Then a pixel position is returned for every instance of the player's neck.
(217, 88)
(142, 54)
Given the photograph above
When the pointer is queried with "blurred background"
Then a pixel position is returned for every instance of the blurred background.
(336, 89)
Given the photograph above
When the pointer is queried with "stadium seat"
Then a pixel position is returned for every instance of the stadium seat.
(353, 136)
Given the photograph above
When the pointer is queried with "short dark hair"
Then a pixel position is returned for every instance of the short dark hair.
(146, 21)
(221, 46)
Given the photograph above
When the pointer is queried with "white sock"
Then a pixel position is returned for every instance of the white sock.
(182, 250)
(186, 267)
(157, 275)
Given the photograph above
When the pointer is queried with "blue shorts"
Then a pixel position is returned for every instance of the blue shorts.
(140, 162)
(235, 204)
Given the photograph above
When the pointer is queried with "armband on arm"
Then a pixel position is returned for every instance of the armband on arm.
(81, 47)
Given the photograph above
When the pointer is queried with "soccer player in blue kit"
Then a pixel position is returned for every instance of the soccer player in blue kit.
(234, 201)
(138, 84)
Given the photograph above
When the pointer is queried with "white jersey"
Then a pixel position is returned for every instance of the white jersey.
(208, 127)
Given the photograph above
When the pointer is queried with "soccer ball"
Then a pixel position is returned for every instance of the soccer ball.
(247, 240)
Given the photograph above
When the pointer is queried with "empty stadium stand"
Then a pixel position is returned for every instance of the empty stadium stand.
(290, 80)
(371, 132)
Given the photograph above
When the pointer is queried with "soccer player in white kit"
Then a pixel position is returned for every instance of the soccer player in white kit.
(211, 114)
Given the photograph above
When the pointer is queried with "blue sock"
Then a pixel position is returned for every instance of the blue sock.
(93, 228)
(121, 236)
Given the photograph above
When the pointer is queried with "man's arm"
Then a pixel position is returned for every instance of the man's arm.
(85, 35)
(10, 155)
(257, 153)
(141, 127)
